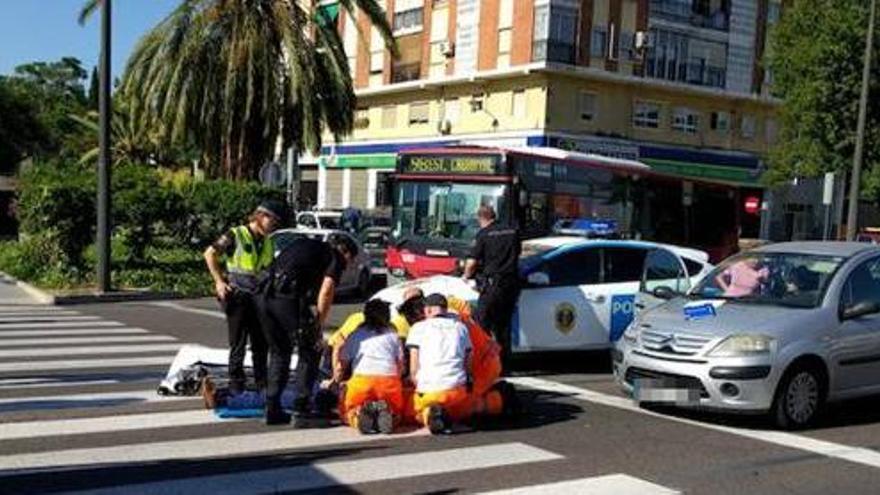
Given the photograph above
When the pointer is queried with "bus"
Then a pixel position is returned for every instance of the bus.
(437, 192)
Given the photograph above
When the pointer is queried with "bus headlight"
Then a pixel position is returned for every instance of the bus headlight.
(743, 345)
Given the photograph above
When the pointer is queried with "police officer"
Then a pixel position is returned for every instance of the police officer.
(248, 251)
(305, 273)
(495, 260)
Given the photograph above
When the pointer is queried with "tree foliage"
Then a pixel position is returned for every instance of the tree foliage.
(234, 76)
(22, 133)
(816, 60)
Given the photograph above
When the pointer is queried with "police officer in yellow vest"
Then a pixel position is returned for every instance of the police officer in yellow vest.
(248, 251)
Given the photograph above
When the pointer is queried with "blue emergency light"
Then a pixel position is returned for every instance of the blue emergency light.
(589, 227)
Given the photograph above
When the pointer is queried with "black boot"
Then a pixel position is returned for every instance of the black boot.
(275, 415)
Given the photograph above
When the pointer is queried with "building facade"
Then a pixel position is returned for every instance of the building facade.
(676, 84)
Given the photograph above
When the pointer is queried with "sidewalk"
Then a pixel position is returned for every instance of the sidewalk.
(12, 294)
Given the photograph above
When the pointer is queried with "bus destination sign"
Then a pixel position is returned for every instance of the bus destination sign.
(450, 164)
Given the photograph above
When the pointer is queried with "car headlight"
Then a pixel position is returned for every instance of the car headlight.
(631, 335)
(743, 345)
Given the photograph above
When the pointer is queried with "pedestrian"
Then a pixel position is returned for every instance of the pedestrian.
(494, 261)
(306, 273)
(369, 364)
(248, 251)
(440, 366)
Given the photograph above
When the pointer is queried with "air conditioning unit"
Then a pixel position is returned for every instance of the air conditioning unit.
(643, 40)
(447, 48)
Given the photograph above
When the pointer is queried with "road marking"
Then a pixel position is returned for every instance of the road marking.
(857, 455)
(612, 484)
(106, 424)
(36, 314)
(4, 330)
(31, 384)
(66, 364)
(92, 350)
(30, 307)
(71, 331)
(102, 399)
(187, 309)
(130, 339)
(284, 439)
(324, 475)
(38, 319)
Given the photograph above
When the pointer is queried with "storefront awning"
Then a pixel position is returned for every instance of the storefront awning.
(704, 171)
(377, 160)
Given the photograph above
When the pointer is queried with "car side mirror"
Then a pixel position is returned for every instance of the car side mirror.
(859, 310)
(538, 278)
(664, 292)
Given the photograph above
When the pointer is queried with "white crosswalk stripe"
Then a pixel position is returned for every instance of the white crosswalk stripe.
(97, 350)
(128, 339)
(112, 429)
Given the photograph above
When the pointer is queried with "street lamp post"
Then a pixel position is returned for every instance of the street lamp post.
(105, 108)
(852, 220)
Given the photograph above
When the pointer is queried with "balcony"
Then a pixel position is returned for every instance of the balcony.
(690, 12)
(405, 72)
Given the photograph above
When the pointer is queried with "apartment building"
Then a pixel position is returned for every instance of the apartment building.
(676, 84)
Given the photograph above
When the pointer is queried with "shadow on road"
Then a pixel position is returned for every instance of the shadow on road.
(552, 363)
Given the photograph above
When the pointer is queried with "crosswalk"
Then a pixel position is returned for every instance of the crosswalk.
(79, 413)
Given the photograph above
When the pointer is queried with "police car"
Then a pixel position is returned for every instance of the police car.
(580, 294)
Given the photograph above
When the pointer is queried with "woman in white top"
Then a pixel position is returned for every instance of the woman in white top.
(372, 400)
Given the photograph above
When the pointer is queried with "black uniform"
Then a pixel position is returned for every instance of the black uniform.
(244, 324)
(293, 282)
(496, 252)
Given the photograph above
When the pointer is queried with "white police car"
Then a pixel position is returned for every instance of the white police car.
(581, 294)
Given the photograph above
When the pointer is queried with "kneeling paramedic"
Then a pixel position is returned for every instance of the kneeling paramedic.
(372, 398)
(248, 250)
(305, 273)
(440, 365)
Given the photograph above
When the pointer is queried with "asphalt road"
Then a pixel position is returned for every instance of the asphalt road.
(78, 412)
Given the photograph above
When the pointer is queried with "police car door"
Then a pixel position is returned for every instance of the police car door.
(664, 270)
(555, 310)
(621, 277)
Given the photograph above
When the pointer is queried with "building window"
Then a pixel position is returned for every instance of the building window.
(555, 33)
(587, 105)
(720, 122)
(377, 61)
(747, 126)
(598, 42)
(452, 110)
(682, 57)
(389, 116)
(685, 120)
(362, 118)
(405, 72)
(408, 16)
(418, 113)
(518, 105)
(646, 115)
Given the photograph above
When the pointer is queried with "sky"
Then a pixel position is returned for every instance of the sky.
(47, 30)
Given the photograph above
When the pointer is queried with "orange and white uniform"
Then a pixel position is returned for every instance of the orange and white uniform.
(375, 359)
(444, 349)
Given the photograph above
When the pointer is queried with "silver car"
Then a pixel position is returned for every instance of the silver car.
(781, 329)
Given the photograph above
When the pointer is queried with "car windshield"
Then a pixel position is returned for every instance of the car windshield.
(330, 222)
(532, 253)
(784, 279)
(444, 210)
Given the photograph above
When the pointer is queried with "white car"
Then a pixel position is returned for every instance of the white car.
(355, 278)
(328, 220)
(581, 294)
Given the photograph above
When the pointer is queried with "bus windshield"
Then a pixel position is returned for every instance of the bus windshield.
(444, 210)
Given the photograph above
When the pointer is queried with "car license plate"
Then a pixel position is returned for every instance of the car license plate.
(654, 391)
(379, 270)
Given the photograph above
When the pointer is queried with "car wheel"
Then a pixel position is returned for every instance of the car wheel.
(800, 397)
(364, 283)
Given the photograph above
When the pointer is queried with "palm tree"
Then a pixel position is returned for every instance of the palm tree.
(235, 76)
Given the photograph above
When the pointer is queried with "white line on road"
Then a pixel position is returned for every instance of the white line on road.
(4, 330)
(187, 309)
(129, 339)
(324, 475)
(71, 331)
(92, 350)
(30, 307)
(38, 314)
(35, 366)
(858, 455)
(201, 448)
(106, 424)
(60, 384)
(12, 320)
(612, 484)
(83, 400)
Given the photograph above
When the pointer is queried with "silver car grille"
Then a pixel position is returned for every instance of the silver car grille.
(683, 344)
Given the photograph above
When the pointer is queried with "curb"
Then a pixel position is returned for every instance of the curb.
(47, 298)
